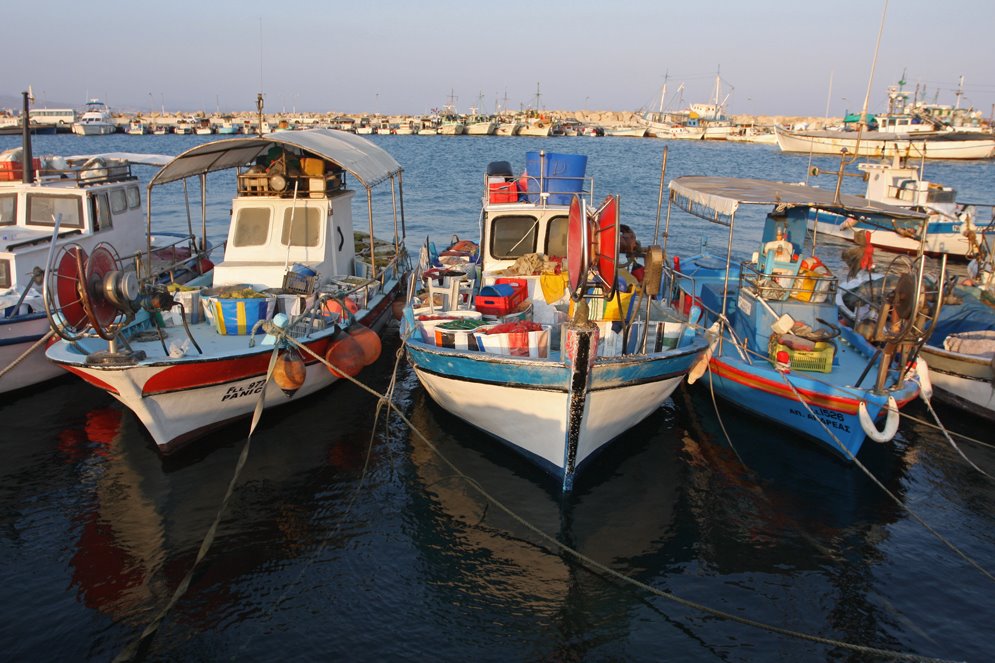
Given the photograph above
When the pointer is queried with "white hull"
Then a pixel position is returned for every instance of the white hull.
(93, 129)
(675, 133)
(508, 129)
(962, 380)
(883, 144)
(451, 130)
(954, 244)
(35, 368)
(535, 421)
(404, 131)
(628, 132)
(539, 130)
(481, 129)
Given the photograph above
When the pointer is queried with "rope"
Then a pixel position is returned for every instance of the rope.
(135, 649)
(887, 492)
(24, 355)
(593, 564)
(715, 405)
(939, 424)
(967, 438)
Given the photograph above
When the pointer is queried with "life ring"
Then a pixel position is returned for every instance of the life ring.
(890, 424)
(540, 125)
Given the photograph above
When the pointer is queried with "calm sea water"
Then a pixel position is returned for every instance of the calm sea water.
(349, 538)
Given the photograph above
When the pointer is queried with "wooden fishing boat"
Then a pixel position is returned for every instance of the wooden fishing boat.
(501, 338)
(291, 249)
(96, 198)
(777, 350)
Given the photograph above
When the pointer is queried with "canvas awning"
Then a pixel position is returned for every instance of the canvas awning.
(706, 196)
(366, 162)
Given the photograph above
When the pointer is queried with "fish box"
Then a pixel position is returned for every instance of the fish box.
(11, 171)
(502, 191)
(819, 360)
(500, 298)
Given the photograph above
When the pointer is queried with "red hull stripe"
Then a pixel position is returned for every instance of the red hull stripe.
(182, 377)
(840, 404)
(89, 377)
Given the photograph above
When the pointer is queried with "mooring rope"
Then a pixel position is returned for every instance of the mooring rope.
(939, 425)
(966, 438)
(594, 564)
(24, 355)
(135, 649)
(887, 492)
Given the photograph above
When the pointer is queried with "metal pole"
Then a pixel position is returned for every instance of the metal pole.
(659, 200)
(203, 212)
(28, 171)
(373, 248)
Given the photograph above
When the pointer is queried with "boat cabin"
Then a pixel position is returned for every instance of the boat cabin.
(99, 200)
(290, 209)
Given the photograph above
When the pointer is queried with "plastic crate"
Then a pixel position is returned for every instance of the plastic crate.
(298, 284)
(819, 360)
(500, 298)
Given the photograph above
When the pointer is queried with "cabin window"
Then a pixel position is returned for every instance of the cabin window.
(513, 236)
(100, 210)
(43, 208)
(8, 210)
(301, 226)
(5, 280)
(119, 201)
(134, 197)
(251, 226)
(556, 237)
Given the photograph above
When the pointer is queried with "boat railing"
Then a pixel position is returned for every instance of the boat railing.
(557, 190)
(780, 285)
(94, 171)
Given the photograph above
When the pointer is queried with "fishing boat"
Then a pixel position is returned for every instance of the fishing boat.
(137, 127)
(886, 144)
(527, 335)
(96, 199)
(297, 283)
(960, 351)
(778, 351)
(626, 131)
(951, 228)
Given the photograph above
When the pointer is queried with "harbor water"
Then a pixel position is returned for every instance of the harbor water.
(349, 537)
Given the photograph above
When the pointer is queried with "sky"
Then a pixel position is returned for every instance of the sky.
(775, 57)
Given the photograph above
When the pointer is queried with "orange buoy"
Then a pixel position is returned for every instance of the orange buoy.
(334, 306)
(368, 340)
(289, 372)
(346, 355)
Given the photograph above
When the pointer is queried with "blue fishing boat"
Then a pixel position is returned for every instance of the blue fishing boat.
(529, 337)
(777, 349)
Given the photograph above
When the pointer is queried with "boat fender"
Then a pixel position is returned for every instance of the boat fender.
(701, 365)
(890, 424)
(925, 384)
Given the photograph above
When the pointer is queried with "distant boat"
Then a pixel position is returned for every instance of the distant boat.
(184, 127)
(137, 127)
(96, 120)
(886, 144)
(228, 126)
(204, 127)
(630, 132)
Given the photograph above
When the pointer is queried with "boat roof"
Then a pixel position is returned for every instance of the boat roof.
(369, 164)
(131, 157)
(706, 197)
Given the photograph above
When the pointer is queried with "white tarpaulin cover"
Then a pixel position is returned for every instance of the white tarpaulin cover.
(369, 164)
(724, 195)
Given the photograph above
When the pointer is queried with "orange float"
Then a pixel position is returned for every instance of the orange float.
(289, 372)
(334, 306)
(368, 340)
(346, 355)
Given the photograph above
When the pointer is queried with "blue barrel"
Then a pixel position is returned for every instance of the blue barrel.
(562, 176)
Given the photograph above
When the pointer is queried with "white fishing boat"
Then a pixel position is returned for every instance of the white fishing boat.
(291, 246)
(481, 125)
(886, 144)
(204, 127)
(508, 127)
(229, 126)
(137, 127)
(96, 120)
(184, 126)
(553, 390)
(951, 229)
(625, 131)
(97, 199)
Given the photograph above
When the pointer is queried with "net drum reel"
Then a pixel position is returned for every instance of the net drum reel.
(592, 249)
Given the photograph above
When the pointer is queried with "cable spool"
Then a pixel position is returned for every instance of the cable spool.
(63, 302)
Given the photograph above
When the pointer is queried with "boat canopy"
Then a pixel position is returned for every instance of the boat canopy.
(136, 158)
(369, 164)
(709, 197)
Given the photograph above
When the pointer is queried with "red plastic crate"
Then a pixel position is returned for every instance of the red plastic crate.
(503, 192)
(11, 171)
(501, 304)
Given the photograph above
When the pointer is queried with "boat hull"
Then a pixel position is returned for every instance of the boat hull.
(942, 236)
(962, 380)
(533, 405)
(17, 335)
(883, 144)
(95, 129)
(763, 392)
